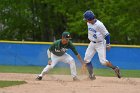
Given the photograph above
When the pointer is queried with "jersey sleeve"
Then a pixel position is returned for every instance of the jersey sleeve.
(103, 29)
(52, 47)
(72, 47)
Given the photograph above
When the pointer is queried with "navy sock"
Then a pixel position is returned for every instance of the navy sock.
(89, 68)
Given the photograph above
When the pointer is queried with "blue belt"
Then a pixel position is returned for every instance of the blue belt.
(93, 41)
(96, 42)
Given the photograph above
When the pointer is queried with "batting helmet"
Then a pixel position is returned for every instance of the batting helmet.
(88, 15)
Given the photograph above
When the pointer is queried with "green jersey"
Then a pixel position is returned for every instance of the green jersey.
(59, 49)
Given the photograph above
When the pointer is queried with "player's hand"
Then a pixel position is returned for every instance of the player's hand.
(49, 62)
(83, 69)
(108, 47)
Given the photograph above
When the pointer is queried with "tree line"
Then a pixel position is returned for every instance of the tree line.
(45, 20)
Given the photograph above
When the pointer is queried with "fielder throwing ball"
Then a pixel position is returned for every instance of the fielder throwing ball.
(57, 53)
(99, 40)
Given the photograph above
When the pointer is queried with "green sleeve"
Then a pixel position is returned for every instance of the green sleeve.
(72, 47)
(52, 47)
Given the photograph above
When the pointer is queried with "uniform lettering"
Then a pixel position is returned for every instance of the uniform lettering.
(61, 50)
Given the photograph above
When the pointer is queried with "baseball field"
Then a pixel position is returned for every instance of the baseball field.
(21, 79)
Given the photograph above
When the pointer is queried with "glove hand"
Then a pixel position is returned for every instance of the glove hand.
(83, 68)
(49, 62)
(108, 47)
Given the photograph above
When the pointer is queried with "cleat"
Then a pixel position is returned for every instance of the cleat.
(117, 71)
(39, 78)
(92, 77)
(75, 79)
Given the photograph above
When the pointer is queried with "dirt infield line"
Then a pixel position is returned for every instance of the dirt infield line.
(64, 84)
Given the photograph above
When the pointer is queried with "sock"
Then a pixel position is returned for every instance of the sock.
(108, 64)
(89, 68)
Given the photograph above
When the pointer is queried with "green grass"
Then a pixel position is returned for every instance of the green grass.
(38, 69)
(10, 83)
(20, 69)
(124, 73)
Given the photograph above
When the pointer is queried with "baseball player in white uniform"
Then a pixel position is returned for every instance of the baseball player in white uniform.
(99, 40)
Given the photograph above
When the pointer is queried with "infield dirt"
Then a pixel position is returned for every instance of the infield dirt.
(65, 84)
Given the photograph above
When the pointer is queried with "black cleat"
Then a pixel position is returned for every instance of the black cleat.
(39, 78)
(117, 71)
(92, 77)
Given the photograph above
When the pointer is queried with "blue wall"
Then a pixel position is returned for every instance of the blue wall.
(36, 55)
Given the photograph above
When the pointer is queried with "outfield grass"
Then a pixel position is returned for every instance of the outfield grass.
(10, 83)
(38, 69)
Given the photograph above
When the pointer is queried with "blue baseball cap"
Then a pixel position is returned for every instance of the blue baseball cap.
(88, 15)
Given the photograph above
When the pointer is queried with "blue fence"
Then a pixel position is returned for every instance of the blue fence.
(36, 55)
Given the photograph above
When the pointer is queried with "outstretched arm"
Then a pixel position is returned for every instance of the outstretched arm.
(80, 59)
(83, 64)
(49, 57)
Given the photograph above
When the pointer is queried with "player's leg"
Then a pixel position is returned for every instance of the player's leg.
(48, 67)
(90, 52)
(101, 49)
(66, 58)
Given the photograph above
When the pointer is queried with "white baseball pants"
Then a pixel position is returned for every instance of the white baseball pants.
(66, 58)
(100, 48)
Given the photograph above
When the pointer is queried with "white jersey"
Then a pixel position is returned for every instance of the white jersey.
(97, 31)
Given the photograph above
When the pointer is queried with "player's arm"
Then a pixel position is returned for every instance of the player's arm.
(83, 68)
(107, 38)
(106, 34)
(72, 47)
(80, 58)
(49, 57)
(49, 54)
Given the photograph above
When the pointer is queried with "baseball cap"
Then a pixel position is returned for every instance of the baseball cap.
(88, 15)
(66, 35)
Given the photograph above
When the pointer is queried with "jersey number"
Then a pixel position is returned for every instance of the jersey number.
(95, 36)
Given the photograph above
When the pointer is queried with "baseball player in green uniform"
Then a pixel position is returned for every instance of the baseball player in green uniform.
(57, 53)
